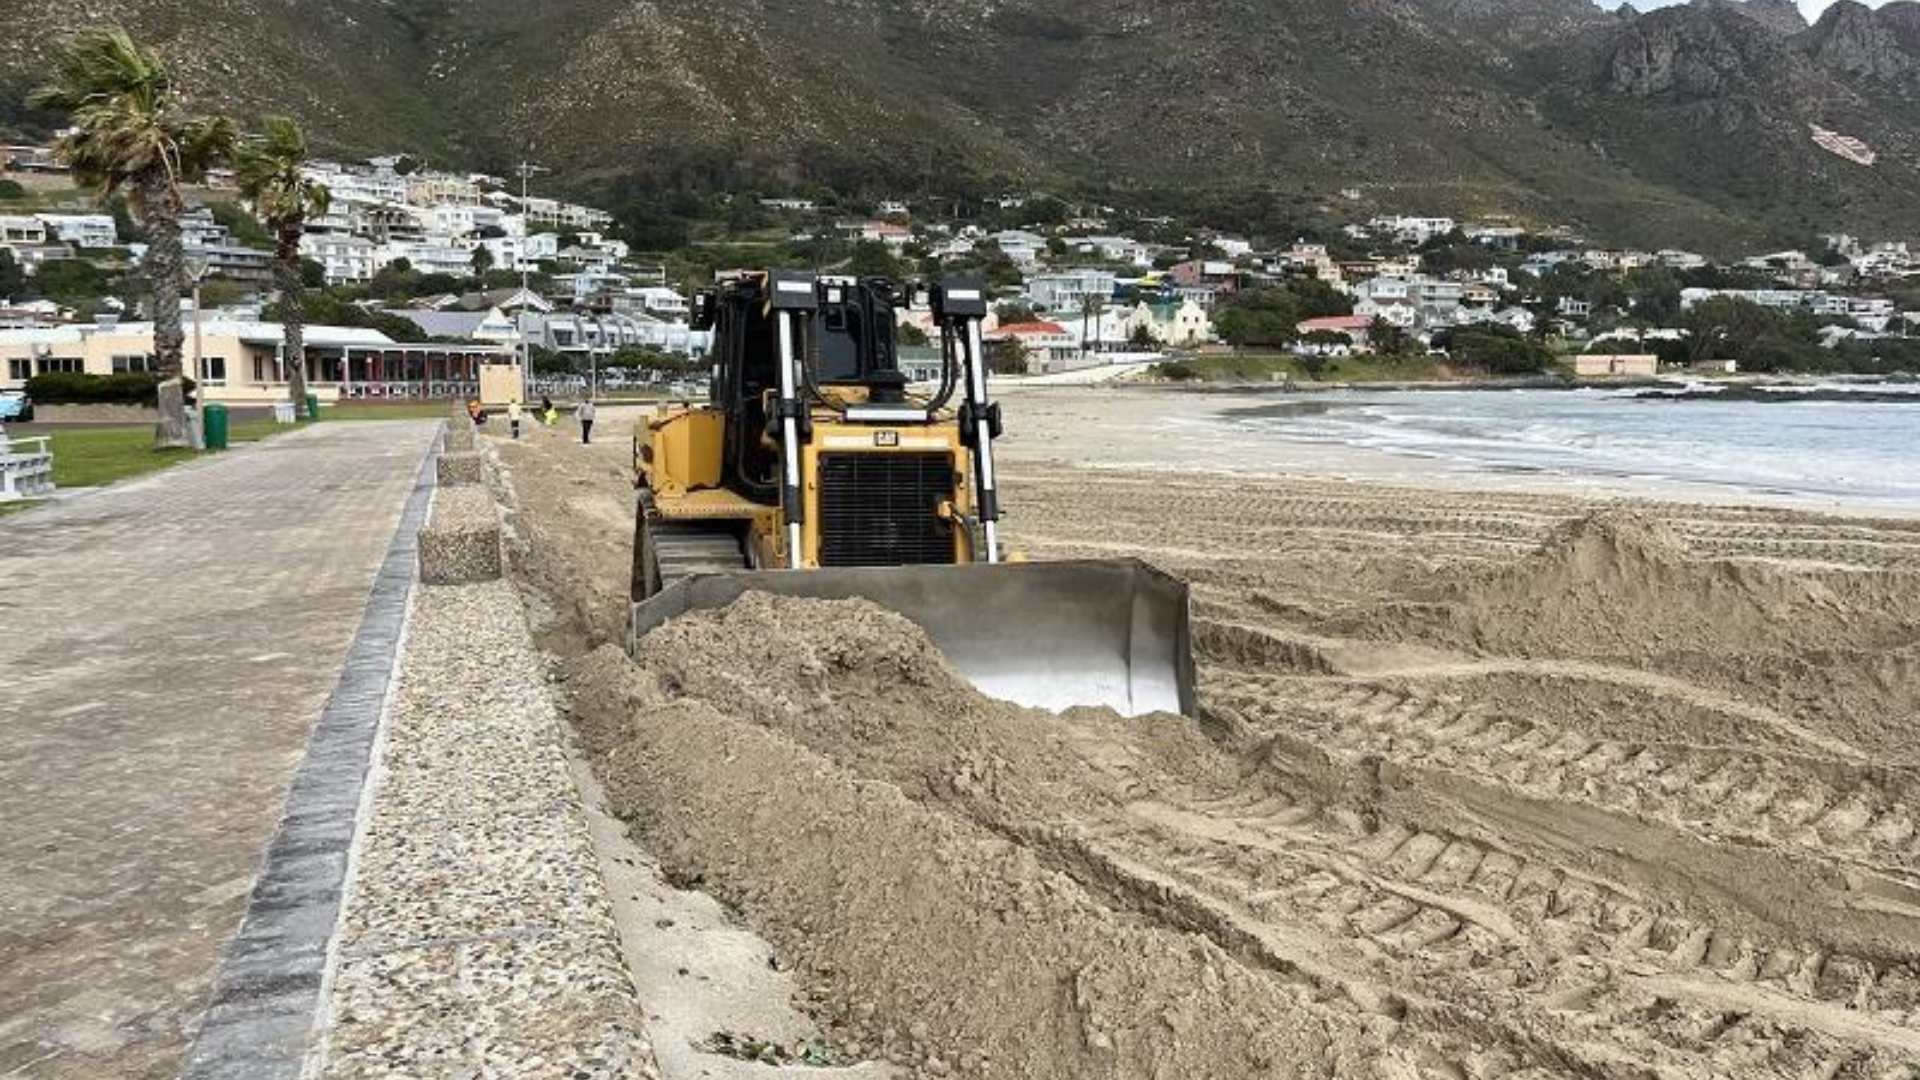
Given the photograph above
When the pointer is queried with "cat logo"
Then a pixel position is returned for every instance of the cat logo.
(886, 438)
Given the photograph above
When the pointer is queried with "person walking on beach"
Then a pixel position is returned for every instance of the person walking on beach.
(513, 417)
(548, 415)
(586, 422)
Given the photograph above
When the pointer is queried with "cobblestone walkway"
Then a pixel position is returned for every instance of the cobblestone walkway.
(165, 648)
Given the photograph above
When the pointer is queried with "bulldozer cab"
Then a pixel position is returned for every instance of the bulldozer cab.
(845, 351)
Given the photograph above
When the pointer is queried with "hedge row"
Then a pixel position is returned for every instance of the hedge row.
(73, 388)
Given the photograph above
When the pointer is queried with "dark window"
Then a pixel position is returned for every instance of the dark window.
(19, 370)
(61, 363)
(213, 369)
(123, 365)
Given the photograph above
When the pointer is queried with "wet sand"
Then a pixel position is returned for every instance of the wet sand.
(1485, 781)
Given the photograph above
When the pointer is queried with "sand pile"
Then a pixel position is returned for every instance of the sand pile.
(1615, 583)
(745, 751)
(864, 686)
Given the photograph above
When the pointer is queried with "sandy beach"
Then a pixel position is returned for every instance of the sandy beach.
(1490, 778)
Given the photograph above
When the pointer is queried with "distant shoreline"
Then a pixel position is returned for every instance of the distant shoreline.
(1762, 388)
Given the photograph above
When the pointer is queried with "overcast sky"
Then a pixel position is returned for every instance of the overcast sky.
(1810, 8)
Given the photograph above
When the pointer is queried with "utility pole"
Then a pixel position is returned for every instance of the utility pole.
(527, 170)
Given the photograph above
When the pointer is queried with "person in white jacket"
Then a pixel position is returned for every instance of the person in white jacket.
(513, 417)
(586, 422)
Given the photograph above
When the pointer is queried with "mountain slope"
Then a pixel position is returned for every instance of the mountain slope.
(1687, 124)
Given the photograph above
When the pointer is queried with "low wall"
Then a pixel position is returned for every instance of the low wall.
(95, 413)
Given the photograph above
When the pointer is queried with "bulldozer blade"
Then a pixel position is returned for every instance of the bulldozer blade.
(1109, 633)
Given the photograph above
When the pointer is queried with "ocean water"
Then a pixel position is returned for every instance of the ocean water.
(1818, 445)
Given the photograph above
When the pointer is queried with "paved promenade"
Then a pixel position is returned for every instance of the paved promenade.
(165, 649)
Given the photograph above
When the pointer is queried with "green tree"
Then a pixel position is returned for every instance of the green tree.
(482, 262)
(270, 172)
(395, 281)
(313, 274)
(871, 258)
(1263, 318)
(1497, 350)
(1014, 312)
(1388, 339)
(130, 132)
(11, 190)
(13, 280)
(911, 336)
(73, 282)
(245, 227)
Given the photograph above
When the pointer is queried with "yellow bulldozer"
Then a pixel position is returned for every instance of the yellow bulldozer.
(816, 469)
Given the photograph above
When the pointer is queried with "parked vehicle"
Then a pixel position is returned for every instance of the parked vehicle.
(16, 405)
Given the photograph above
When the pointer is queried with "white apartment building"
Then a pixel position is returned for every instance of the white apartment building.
(459, 219)
(442, 189)
(1020, 246)
(1113, 248)
(82, 230)
(1066, 290)
(438, 258)
(566, 216)
(362, 183)
(21, 229)
(1414, 230)
(349, 260)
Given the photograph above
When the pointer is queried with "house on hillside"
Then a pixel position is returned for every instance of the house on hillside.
(491, 325)
(1214, 275)
(1049, 347)
(1182, 325)
(1357, 329)
(1066, 291)
(82, 230)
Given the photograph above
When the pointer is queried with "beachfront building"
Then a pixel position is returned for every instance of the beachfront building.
(1049, 347)
(242, 363)
(1181, 325)
(1618, 365)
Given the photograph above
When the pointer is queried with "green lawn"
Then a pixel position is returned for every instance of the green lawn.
(91, 456)
(87, 457)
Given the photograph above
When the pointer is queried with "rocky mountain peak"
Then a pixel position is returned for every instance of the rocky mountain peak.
(1871, 44)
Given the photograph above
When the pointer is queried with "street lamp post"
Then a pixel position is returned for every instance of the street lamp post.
(527, 170)
(197, 267)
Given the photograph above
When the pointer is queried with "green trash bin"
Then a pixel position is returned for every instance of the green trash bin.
(215, 419)
(313, 406)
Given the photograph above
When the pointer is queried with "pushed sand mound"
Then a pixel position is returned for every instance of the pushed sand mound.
(992, 891)
(1616, 583)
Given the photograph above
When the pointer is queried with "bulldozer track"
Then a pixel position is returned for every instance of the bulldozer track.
(687, 548)
(1516, 947)
(1821, 806)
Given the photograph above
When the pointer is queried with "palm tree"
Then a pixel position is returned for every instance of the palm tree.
(270, 172)
(131, 134)
(1092, 307)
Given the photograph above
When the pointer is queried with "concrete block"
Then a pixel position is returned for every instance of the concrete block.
(459, 434)
(453, 470)
(461, 541)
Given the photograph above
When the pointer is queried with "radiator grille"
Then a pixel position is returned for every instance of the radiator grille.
(882, 509)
